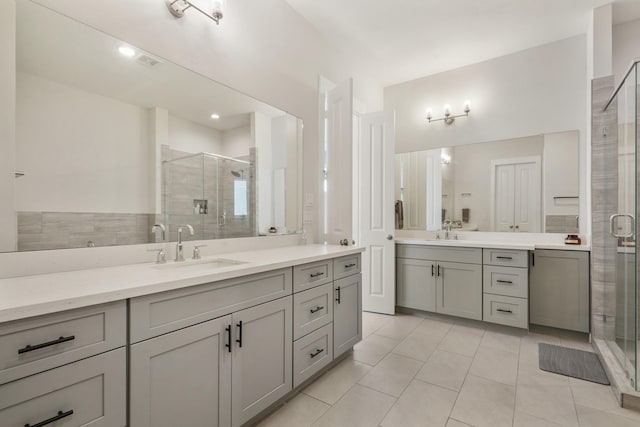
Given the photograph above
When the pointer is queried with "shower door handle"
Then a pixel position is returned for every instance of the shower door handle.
(612, 221)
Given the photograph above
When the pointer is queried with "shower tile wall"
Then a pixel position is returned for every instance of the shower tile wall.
(65, 230)
(196, 178)
(561, 224)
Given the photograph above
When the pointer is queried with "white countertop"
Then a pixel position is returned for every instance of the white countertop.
(491, 244)
(28, 296)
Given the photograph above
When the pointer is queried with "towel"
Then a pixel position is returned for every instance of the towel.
(399, 215)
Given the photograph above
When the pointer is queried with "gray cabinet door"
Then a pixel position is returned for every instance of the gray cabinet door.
(416, 284)
(262, 358)
(459, 289)
(347, 313)
(183, 378)
(559, 289)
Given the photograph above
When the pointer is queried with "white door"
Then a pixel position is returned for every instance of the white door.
(516, 195)
(377, 218)
(337, 164)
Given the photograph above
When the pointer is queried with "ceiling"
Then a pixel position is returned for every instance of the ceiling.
(406, 39)
(54, 47)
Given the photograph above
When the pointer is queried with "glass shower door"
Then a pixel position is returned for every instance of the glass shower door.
(622, 334)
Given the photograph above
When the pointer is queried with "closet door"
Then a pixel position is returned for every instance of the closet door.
(527, 198)
(504, 197)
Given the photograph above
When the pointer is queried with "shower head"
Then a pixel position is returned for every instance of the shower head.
(236, 174)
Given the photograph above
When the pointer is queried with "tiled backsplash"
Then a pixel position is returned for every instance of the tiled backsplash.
(561, 224)
(64, 230)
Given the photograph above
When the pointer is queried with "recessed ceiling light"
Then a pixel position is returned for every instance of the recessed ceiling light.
(126, 51)
(215, 116)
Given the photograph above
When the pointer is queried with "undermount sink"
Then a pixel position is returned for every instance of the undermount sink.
(200, 265)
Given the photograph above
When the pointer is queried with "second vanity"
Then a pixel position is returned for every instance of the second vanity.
(508, 283)
(213, 342)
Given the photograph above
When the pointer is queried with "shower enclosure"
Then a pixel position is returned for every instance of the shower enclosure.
(215, 194)
(621, 323)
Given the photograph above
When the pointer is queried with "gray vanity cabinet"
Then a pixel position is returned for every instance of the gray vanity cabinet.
(559, 289)
(347, 313)
(459, 289)
(442, 280)
(416, 284)
(261, 358)
(183, 378)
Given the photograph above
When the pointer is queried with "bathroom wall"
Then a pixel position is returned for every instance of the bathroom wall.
(561, 179)
(531, 92)
(236, 142)
(625, 47)
(185, 135)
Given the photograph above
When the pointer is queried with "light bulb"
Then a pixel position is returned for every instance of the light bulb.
(127, 51)
(467, 106)
(217, 7)
(447, 109)
(428, 112)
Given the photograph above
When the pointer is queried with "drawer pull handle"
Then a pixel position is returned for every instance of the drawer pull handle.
(60, 416)
(319, 273)
(505, 281)
(228, 329)
(317, 352)
(502, 310)
(350, 265)
(338, 297)
(60, 340)
(504, 257)
(315, 310)
(239, 339)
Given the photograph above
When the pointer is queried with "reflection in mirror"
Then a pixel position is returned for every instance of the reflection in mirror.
(112, 139)
(527, 184)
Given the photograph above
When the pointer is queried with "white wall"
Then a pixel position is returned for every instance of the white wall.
(8, 221)
(560, 173)
(532, 92)
(261, 135)
(237, 142)
(185, 135)
(91, 166)
(626, 47)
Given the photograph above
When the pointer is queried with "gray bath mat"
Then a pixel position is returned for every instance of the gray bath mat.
(572, 363)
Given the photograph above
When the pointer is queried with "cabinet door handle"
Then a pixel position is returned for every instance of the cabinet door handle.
(239, 339)
(438, 270)
(315, 310)
(317, 352)
(53, 419)
(533, 259)
(319, 273)
(505, 281)
(60, 340)
(338, 297)
(502, 310)
(504, 257)
(350, 265)
(228, 329)
(432, 270)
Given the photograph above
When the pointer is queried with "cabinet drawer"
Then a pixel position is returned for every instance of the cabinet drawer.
(457, 254)
(508, 281)
(311, 353)
(311, 309)
(346, 266)
(94, 389)
(307, 276)
(160, 313)
(34, 345)
(508, 311)
(505, 257)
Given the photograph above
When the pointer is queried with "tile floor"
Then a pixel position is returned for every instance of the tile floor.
(434, 371)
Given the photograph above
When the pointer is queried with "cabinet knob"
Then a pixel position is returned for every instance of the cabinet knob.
(389, 237)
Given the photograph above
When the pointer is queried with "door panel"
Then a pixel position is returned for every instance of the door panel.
(347, 314)
(459, 289)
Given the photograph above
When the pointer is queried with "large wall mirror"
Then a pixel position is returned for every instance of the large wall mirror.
(111, 139)
(521, 185)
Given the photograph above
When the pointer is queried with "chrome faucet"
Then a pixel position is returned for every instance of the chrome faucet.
(447, 229)
(179, 254)
(160, 227)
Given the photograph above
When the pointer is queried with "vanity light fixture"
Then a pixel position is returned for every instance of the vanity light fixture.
(215, 116)
(178, 7)
(448, 118)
